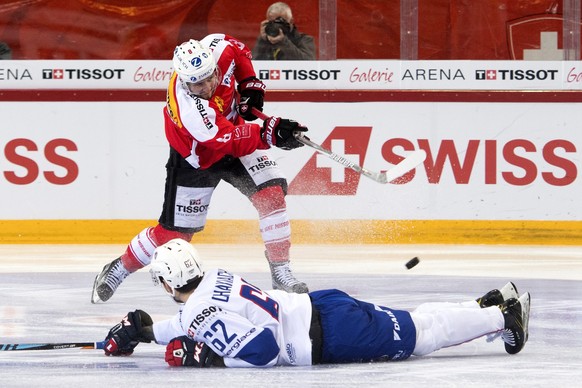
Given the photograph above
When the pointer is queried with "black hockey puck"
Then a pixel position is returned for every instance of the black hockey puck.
(412, 263)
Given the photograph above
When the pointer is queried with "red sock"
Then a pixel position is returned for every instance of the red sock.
(141, 248)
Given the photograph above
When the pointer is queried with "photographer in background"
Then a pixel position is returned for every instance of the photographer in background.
(5, 51)
(280, 40)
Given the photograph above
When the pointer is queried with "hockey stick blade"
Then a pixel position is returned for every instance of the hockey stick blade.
(53, 346)
(411, 161)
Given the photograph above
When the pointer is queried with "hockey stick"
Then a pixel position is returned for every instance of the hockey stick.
(407, 164)
(54, 346)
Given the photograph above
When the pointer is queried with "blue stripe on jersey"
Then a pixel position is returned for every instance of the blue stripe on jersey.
(355, 331)
(260, 350)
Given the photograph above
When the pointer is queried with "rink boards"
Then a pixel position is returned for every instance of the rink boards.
(87, 166)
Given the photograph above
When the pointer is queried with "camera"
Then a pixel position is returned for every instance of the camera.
(272, 27)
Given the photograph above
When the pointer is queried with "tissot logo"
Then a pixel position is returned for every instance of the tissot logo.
(273, 75)
(299, 75)
(486, 75)
(77, 74)
(263, 162)
(52, 74)
(515, 75)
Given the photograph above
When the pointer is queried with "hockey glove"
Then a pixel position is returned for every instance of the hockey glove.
(280, 133)
(125, 336)
(182, 351)
(252, 95)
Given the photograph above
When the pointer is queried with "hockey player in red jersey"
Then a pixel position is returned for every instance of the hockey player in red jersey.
(227, 321)
(210, 95)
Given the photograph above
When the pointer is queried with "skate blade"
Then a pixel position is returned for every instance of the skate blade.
(95, 297)
(525, 305)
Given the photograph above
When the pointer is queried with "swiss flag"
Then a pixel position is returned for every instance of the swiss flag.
(274, 75)
(524, 33)
(323, 176)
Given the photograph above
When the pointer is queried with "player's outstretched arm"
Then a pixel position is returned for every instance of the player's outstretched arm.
(183, 351)
(134, 328)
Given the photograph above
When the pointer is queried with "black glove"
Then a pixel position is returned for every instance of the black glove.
(182, 351)
(279, 132)
(252, 95)
(125, 336)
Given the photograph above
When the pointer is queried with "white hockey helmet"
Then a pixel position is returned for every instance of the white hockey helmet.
(177, 262)
(193, 62)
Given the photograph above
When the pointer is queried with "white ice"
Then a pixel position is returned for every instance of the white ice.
(45, 297)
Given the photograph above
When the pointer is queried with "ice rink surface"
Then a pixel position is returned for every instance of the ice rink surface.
(45, 297)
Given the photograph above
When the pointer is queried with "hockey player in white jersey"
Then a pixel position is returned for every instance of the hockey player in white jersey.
(226, 321)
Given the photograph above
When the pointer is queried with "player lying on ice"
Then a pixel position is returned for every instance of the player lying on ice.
(226, 321)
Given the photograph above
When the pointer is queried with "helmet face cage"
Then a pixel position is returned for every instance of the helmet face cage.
(193, 62)
(176, 263)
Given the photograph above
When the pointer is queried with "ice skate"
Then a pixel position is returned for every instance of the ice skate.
(497, 297)
(283, 279)
(108, 280)
(516, 315)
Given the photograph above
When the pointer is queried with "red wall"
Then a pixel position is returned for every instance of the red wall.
(370, 29)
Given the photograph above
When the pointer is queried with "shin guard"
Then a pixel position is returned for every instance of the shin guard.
(141, 248)
(274, 222)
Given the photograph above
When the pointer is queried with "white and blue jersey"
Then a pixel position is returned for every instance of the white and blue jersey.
(245, 325)
(249, 327)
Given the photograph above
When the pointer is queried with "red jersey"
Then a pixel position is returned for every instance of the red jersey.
(204, 131)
